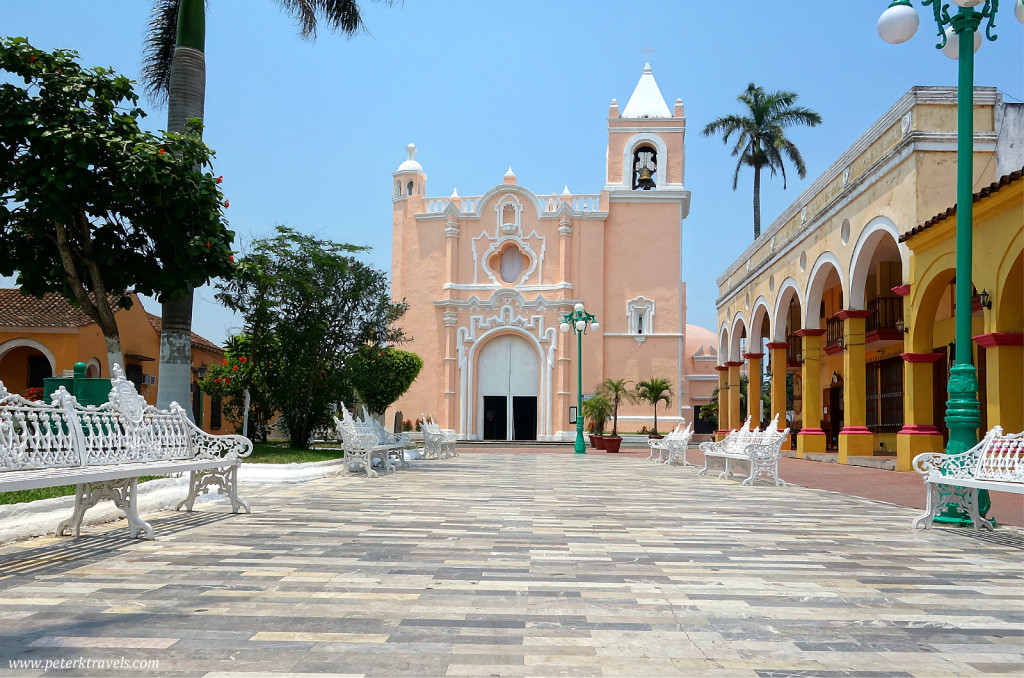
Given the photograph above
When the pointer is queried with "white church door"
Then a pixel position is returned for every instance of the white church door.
(508, 372)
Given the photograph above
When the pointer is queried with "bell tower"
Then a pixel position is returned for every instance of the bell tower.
(646, 146)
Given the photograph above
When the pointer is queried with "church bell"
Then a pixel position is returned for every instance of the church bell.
(645, 181)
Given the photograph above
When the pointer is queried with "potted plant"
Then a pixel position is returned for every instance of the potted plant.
(616, 390)
(592, 435)
(653, 391)
(597, 409)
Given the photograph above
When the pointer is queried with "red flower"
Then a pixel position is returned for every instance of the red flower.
(217, 380)
(241, 359)
(235, 368)
(207, 244)
(220, 179)
(226, 380)
(227, 203)
(224, 362)
(161, 151)
(230, 258)
(31, 58)
(57, 71)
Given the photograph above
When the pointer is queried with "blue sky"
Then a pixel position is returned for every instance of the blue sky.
(308, 133)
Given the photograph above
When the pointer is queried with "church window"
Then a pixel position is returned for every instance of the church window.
(410, 187)
(398, 189)
(640, 317)
(645, 168)
(511, 264)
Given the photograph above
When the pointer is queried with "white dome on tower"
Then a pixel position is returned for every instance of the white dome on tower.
(646, 101)
(410, 164)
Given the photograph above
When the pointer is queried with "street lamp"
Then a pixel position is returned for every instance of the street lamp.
(579, 321)
(959, 38)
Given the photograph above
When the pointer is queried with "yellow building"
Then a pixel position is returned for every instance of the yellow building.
(848, 296)
(45, 337)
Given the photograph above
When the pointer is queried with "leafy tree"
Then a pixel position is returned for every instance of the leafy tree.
(91, 206)
(761, 137)
(381, 375)
(653, 391)
(616, 390)
(308, 306)
(174, 70)
(597, 409)
(228, 381)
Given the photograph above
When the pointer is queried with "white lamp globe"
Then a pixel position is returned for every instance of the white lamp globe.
(1018, 11)
(898, 24)
(952, 46)
(580, 325)
(594, 326)
(578, 308)
(968, 3)
(564, 327)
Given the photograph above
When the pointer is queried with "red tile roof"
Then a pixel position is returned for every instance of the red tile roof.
(197, 341)
(994, 187)
(52, 310)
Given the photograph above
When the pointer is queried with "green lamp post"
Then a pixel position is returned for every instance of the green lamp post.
(959, 38)
(579, 321)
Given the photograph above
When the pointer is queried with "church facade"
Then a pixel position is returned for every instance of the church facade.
(489, 278)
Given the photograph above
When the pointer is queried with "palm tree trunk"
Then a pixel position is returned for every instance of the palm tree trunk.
(186, 99)
(757, 202)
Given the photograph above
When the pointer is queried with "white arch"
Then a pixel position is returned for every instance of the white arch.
(627, 157)
(760, 310)
(778, 320)
(94, 364)
(738, 325)
(723, 344)
(816, 287)
(12, 344)
(543, 388)
(864, 250)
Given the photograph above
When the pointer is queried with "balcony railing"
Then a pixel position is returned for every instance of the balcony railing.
(887, 310)
(833, 331)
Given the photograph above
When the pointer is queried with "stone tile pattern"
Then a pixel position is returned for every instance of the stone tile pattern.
(500, 564)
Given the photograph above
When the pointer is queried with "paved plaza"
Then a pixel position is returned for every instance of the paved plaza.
(513, 564)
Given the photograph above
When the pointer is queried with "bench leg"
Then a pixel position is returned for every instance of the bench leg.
(123, 493)
(199, 482)
(932, 502)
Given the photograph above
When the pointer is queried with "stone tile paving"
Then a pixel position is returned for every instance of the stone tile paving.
(499, 564)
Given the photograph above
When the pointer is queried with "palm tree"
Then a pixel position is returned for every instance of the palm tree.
(653, 391)
(597, 410)
(761, 137)
(174, 71)
(616, 391)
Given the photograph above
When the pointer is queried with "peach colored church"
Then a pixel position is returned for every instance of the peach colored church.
(488, 279)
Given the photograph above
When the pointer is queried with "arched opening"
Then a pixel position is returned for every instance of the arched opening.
(409, 188)
(645, 168)
(824, 301)
(508, 384)
(24, 367)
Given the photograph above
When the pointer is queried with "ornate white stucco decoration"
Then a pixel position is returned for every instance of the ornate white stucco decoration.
(905, 125)
(508, 212)
(505, 312)
(640, 317)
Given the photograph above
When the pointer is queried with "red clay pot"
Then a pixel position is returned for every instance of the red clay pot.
(611, 443)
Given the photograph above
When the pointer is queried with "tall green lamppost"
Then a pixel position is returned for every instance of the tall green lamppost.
(959, 38)
(579, 321)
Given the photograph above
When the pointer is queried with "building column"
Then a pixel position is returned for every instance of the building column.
(754, 387)
(565, 374)
(919, 433)
(778, 361)
(854, 439)
(734, 393)
(450, 376)
(811, 437)
(723, 402)
(1004, 365)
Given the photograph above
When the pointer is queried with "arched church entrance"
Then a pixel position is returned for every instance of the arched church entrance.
(508, 374)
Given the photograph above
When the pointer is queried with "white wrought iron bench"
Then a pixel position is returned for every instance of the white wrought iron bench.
(996, 463)
(672, 447)
(361, 448)
(437, 444)
(105, 450)
(395, 441)
(761, 450)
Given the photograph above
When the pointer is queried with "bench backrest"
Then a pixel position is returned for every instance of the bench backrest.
(62, 433)
(1002, 457)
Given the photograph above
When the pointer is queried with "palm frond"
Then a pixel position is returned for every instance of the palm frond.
(159, 50)
(340, 16)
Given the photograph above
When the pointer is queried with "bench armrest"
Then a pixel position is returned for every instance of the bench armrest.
(210, 446)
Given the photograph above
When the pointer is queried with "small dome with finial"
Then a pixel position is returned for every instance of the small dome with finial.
(410, 164)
